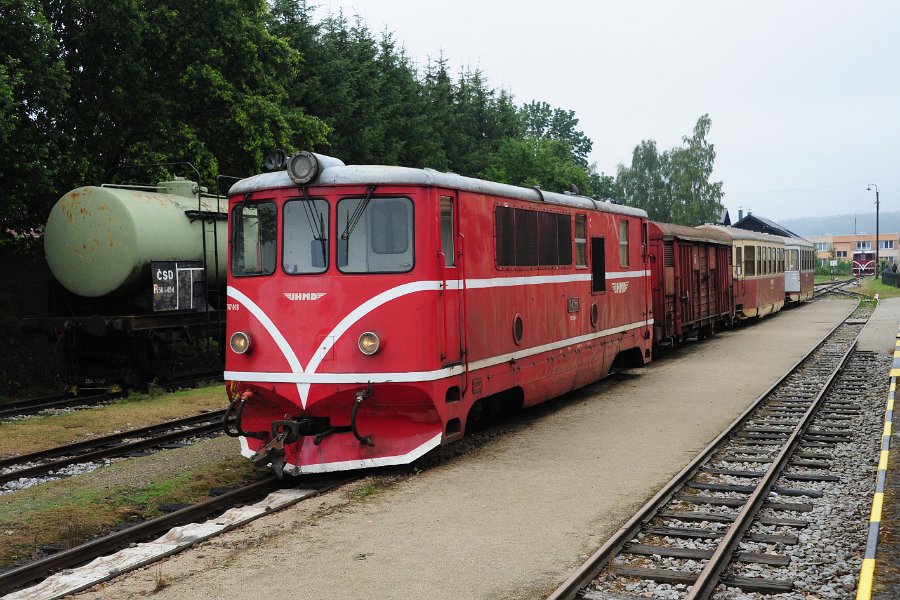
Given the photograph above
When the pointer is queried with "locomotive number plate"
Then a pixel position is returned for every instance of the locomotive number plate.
(574, 304)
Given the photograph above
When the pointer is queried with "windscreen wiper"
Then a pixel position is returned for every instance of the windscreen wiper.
(357, 214)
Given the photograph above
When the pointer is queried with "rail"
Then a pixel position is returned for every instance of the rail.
(703, 583)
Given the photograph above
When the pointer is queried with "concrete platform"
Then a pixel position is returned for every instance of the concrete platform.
(880, 335)
(512, 517)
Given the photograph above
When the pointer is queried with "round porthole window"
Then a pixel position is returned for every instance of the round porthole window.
(518, 329)
(595, 315)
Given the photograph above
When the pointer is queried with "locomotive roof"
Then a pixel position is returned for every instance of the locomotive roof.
(692, 234)
(744, 234)
(388, 175)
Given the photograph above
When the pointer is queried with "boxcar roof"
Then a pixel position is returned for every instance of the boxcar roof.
(386, 175)
(744, 234)
(692, 234)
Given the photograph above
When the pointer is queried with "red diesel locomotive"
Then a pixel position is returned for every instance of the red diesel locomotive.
(373, 310)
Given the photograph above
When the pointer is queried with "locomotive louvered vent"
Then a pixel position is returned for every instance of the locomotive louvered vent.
(668, 256)
(529, 238)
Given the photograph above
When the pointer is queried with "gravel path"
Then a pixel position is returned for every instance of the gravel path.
(486, 519)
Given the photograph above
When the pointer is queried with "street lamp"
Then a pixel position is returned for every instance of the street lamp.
(869, 189)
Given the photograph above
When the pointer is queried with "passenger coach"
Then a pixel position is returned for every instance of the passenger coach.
(799, 269)
(758, 271)
(373, 310)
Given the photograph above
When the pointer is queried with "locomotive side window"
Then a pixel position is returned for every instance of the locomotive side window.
(375, 236)
(253, 232)
(598, 264)
(447, 234)
(305, 237)
(529, 238)
(580, 240)
(623, 243)
(749, 261)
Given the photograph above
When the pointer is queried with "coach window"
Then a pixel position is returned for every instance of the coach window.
(375, 235)
(580, 240)
(749, 261)
(253, 230)
(793, 260)
(738, 261)
(305, 237)
(623, 243)
(447, 234)
(598, 264)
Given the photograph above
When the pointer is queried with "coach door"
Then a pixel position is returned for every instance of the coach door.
(451, 320)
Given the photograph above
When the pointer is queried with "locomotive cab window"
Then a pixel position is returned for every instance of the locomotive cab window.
(305, 245)
(580, 240)
(447, 234)
(623, 243)
(253, 233)
(375, 235)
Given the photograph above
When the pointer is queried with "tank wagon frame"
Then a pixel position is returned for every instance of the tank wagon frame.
(138, 277)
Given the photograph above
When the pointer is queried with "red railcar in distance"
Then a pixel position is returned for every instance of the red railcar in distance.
(692, 287)
(373, 311)
(757, 271)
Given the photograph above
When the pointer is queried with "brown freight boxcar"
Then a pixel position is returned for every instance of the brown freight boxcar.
(692, 287)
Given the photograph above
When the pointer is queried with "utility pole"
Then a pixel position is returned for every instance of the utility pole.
(869, 189)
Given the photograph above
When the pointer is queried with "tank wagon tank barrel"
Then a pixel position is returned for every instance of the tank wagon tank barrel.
(139, 272)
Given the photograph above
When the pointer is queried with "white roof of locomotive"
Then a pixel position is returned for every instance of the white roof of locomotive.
(387, 175)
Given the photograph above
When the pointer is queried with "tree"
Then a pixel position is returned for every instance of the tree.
(33, 89)
(697, 200)
(542, 121)
(175, 81)
(645, 183)
(674, 186)
(538, 162)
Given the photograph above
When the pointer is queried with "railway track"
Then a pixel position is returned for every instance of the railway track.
(49, 463)
(737, 508)
(835, 287)
(33, 406)
(22, 575)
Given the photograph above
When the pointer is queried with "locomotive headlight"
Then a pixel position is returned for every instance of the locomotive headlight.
(240, 342)
(302, 167)
(369, 343)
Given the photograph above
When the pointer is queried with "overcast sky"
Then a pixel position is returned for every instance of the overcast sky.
(804, 96)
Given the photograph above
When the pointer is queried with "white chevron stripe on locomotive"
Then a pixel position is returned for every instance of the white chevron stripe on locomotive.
(303, 378)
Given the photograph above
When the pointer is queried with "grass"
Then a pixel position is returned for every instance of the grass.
(70, 511)
(137, 410)
(871, 286)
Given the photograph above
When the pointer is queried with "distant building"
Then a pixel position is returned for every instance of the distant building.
(824, 248)
(844, 246)
(763, 225)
